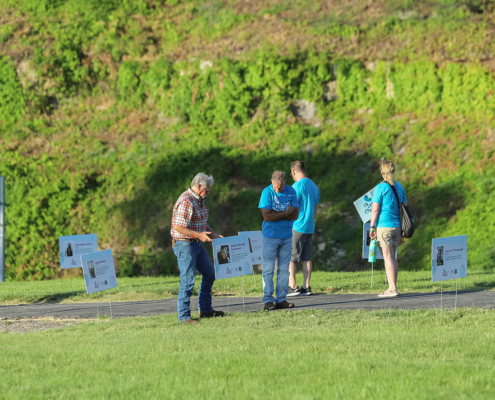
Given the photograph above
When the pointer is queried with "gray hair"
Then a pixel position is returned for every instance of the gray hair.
(278, 176)
(203, 180)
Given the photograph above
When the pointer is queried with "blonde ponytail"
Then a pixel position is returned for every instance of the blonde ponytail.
(387, 168)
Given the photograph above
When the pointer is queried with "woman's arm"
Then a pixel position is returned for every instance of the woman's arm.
(375, 210)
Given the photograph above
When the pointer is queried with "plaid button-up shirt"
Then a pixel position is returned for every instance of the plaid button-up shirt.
(189, 212)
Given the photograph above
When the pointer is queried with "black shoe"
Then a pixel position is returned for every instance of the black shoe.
(306, 292)
(269, 306)
(293, 292)
(212, 314)
(284, 304)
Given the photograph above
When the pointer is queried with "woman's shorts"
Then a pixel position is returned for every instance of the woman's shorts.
(386, 237)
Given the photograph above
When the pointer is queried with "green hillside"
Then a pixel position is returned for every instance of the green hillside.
(108, 109)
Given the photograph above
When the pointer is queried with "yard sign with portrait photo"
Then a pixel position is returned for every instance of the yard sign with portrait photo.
(255, 239)
(99, 271)
(232, 257)
(72, 247)
(449, 258)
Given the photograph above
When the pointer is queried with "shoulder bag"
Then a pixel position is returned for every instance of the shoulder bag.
(406, 219)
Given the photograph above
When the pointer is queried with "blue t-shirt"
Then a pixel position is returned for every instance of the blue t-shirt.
(308, 195)
(389, 216)
(271, 200)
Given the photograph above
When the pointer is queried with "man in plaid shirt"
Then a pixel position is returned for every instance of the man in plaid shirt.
(189, 229)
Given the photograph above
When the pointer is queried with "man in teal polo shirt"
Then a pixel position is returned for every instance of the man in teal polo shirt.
(278, 204)
(308, 197)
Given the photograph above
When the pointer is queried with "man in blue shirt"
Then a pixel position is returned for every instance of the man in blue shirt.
(280, 209)
(308, 197)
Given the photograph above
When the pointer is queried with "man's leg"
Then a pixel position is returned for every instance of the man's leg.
(306, 260)
(284, 253)
(205, 268)
(187, 265)
(292, 275)
(270, 247)
(296, 252)
(307, 269)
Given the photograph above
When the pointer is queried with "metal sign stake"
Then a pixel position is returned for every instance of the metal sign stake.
(243, 309)
(97, 310)
(110, 304)
(441, 296)
(372, 275)
(455, 303)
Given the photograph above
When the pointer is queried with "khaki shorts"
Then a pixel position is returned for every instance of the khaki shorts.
(386, 237)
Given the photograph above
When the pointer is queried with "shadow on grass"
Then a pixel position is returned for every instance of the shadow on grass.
(233, 201)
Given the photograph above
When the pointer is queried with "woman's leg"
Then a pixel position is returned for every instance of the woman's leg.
(396, 263)
(391, 266)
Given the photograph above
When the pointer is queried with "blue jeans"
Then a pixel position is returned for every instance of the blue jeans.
(273, 249)
(192, 256)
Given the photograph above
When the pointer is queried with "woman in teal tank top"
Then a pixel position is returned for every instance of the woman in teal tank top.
(385, 223)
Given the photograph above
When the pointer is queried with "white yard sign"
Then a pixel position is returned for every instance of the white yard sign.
(232, 257)
(366, 243)
(99, 271)
(255, 239)
(363, 206)
(72, 247)
(449, 258)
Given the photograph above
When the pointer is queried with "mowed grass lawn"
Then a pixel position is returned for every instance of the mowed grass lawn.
(157, 288)
(385, 354)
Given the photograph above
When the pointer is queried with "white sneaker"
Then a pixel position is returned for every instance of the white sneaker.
(293, 292)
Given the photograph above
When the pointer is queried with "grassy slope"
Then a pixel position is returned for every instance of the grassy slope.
(158, 288)
(95, 152)
(308, 355)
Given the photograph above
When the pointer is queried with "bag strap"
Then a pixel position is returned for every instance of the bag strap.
(396, 195)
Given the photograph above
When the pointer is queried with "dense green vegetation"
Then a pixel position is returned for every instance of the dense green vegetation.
(109, 108)
(310, 354)
(157, 288)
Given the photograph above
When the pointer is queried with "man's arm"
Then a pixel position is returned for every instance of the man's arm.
(214, 235)
(203, 236)
(273, 216)
(294, 216)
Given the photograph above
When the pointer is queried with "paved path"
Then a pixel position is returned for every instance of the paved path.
(234, 304)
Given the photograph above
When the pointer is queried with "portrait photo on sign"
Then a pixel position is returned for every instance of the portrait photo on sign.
(68, 251)
(223, 255)
(440, 255)
(91, 269)
(368, 238)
